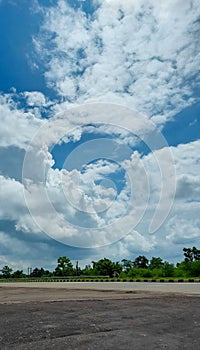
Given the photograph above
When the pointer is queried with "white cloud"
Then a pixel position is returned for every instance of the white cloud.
(182, 223)
(17, 127)
(70, 206)
(187, 158)
(14, 208)
(54, 206)
(11, 195)
(188, 187)
(141, 55)
(183, 230)
(80, 189)
(35, 98)
(19, 253)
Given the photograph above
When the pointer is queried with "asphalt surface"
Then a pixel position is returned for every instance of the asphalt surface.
(62, 317)
(168, 287)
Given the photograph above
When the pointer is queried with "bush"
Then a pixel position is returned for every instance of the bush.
(168, 270)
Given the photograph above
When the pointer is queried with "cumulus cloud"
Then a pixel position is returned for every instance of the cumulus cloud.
(141, 55)
(11, 194)
(35, 98)
(182, 224)
(76, 207)
(106, 215)
(188, 187)
(15, 208)
(187, 158)
(21, 252)
(17, 126)
(183, 230)
(70, 206)
(137, 54)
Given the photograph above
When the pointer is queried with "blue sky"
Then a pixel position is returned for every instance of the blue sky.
(100, 127)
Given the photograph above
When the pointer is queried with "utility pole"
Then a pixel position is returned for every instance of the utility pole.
(77, 268)
(29, 270)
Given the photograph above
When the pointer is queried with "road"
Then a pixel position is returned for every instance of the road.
(168, 287)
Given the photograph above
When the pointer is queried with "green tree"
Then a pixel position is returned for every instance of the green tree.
(64, 267)
(195, 268)
(6, 271)
(126, 265)
(40, 272)
(191, 254)
(155, 263)
(106, 267)
(36, 272)
(88, 271)
(168, 269)
(141, 262)
(18, 274)
(188, 268)
(196, 253)
(188, 254)
(133, 272)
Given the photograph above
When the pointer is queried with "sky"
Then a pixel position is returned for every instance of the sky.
(99, 130)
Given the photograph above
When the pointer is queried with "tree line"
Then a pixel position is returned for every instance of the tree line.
(140, 267)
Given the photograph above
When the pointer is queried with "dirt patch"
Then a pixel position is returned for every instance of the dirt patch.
(10, 295)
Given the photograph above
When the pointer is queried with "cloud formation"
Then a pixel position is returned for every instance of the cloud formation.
(142, 55)
(137, 54)
(17, 126)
